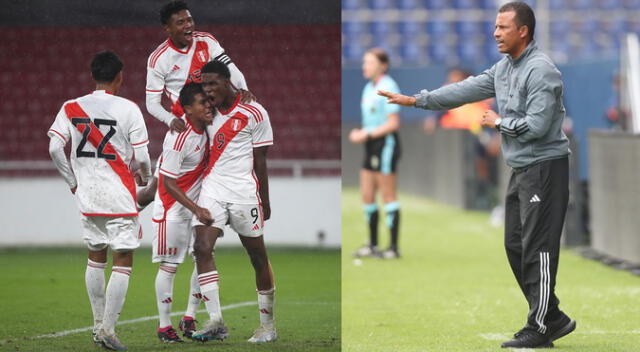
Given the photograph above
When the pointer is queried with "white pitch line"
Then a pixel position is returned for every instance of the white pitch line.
(131, 321)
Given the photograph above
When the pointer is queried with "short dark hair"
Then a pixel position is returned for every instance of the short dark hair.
(105, 65)
(524, 15)
(170, 8)
(218, 67)
(189, 92)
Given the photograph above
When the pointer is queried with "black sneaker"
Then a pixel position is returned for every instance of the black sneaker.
(169, 335)
(187, 326)
(528, 339)
(560, 327)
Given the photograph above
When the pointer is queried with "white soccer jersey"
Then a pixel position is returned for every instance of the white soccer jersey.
(183, 159)
(169, 68)
(234, 134)
(103, 129)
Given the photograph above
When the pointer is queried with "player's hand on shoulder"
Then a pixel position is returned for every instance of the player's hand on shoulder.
(358, 135)
(140, 181)
(266, 211)
(395, 98)
(204, 216)
(246, 96)
(177, 125)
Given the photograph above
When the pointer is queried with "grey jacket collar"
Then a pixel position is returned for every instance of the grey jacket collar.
(531, 47)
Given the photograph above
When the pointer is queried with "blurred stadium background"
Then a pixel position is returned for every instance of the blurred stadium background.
(289, 53)
(586, 39)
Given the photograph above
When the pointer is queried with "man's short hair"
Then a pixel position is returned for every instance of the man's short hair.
(524, 15)
(105, 65)
(169, 9)
(189, 92)
(216, 67)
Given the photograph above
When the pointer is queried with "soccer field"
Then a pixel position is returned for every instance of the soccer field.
(453, 290)
(43, 292)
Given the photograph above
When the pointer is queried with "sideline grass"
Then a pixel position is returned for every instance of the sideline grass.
(453, 290)
(43, 291)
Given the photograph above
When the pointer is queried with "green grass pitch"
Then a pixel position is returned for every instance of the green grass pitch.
(43, 291)
(453, 290)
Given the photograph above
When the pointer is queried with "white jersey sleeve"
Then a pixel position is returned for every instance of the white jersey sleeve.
(216, 52)
(138, 136)
(155, 87)
(261, 134)
(172, 156)
(60, 127)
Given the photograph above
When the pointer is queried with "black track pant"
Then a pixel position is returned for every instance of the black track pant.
(535, 209)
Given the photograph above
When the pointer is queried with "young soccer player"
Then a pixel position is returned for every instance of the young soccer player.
(183, 162)
(106, 131)
(174, 63)
(235, 189)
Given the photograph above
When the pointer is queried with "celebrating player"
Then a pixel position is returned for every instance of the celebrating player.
(235, 189)
(106, 131)
(174, 63)
(183, 162)
(178, 61)
(380, 122)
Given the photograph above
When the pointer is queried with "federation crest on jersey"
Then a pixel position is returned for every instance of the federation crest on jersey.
(236, 124)
(202, 56)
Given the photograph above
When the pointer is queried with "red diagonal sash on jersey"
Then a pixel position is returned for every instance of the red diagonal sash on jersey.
(95, 137)
(185, 182)
(229, 130)
(199, 58)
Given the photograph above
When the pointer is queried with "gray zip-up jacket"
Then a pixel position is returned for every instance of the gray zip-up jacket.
(528, 92)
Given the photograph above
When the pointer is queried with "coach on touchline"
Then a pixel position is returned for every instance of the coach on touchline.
(528, 89)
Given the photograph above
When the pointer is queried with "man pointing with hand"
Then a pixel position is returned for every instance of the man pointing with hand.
(528, 91)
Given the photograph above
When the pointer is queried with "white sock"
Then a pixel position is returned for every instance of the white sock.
(194, 295)
(265, 305)
(164, 292)
(209, 290)
(94, 278)
(116, 292)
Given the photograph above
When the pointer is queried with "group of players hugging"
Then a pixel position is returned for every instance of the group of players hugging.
(212, 173)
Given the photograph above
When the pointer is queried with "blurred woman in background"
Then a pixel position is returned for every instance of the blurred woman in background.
(380, 123)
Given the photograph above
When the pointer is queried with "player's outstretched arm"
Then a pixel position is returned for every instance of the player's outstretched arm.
(260, 167)
(396, 98)
(171, 185)
(56, 150)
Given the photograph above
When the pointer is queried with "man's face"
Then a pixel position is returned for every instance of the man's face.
(180, 28)
(216, 87)
(200, 109)
(509, 37)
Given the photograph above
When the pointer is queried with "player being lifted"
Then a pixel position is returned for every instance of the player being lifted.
(106, 132)
(174, 63)
(235, 189)
(184, 158)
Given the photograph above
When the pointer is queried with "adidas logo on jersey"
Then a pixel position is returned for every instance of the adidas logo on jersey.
(175, 68)
(256, 227)
(534, 199)
(197, 148)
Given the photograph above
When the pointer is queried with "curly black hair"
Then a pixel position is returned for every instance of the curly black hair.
(170, 8)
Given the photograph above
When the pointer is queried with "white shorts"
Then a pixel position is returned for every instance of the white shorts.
(121, 234)
(245, 219)
(173, 239)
